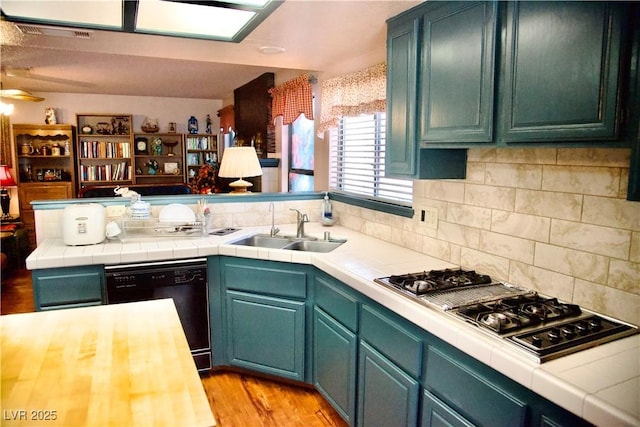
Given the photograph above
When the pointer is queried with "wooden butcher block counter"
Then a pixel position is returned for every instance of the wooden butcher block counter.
(111, 365)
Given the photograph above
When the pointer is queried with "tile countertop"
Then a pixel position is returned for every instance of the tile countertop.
(601, 385)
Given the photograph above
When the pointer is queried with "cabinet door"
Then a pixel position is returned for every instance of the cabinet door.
(55, 288)
(335, 363)
(436, 414)
(561, 71)
(266, 334)
(457, 73)
(402, 56)
(387, 396)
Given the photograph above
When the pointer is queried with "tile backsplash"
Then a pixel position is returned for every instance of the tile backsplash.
(555, 220)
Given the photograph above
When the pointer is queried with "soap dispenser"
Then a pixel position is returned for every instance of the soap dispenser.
(327, 214)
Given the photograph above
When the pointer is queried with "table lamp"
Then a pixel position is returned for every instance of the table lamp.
(240, 162)
(6, 180)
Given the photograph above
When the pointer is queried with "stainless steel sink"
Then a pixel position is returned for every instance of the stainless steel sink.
(313, 246)
(290, 243)
(263, 241)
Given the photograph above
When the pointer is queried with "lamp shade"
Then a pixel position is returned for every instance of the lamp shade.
(6, 180)
(240, 162)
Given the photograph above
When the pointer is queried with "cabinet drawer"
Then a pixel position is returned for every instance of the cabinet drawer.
(391, 339)
(265, 277)
(478, 401)
(67, 286)
(336, 302)
(52, 191)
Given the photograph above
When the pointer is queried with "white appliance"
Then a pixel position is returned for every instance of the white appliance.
(83, 224)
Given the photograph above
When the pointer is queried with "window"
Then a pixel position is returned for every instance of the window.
(301, 155)
(356, 161)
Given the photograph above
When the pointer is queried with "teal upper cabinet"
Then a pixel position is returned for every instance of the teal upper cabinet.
(465, 74)
(457, 74)
(402, 62)
(561, 73)
(403, 156)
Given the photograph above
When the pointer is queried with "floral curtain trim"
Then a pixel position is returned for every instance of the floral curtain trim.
(361, 92)
(227, 118)
(292, 98)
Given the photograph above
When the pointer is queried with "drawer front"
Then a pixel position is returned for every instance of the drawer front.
(336, 302)
(265, 277)
(53, 191)
(57, 287)
(478, 401)
(391, 339)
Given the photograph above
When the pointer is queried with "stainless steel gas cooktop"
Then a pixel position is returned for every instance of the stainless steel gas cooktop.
(542, 327)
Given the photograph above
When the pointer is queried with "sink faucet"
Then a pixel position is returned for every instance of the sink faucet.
(274, 230)
(302, 218)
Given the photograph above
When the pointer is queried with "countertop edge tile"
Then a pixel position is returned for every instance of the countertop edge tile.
(602, 413)
(557, 390)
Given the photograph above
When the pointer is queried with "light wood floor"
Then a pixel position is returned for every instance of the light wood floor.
(236, 398)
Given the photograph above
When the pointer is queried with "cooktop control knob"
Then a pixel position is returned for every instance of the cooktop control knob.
(554, 335)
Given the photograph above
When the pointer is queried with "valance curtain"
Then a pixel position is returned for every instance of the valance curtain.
(227, 118)
(361, 92)
(292, 98)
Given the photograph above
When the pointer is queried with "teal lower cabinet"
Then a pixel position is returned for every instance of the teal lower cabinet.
(266, 334)
(265, 316)
(461, 391)
(389, 369)
(335, 344)
(373, 366)
(335, 350)
(477, 400)
(387, 396)
(67, 287)
(435, 413)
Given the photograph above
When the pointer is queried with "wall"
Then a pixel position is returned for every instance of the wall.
(67, 105)
(555, 220)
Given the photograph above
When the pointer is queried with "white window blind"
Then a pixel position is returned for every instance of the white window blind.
(356, 162)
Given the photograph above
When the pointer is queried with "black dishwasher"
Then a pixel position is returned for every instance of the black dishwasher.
(185, 281)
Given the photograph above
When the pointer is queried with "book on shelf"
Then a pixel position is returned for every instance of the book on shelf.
(200, 143)
(104, 149)
(107, 172)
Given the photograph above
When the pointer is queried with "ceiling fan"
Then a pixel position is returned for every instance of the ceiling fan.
(19, 94)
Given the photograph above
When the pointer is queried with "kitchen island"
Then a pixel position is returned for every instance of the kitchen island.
(600, 385)
(112, 365)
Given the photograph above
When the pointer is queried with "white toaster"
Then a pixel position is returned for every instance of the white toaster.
(83, 224)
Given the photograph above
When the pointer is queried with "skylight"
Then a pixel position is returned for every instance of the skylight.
(225, 20)
(162, 17)
(108, 14)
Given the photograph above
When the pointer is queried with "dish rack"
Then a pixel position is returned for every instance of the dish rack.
(152, 227)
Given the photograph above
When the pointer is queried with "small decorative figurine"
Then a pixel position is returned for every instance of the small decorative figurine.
(152, 167)
(157, 146)
(50, 116)
(208, 124)
(193, 125)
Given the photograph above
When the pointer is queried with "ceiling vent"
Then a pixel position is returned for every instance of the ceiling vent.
(44, 30)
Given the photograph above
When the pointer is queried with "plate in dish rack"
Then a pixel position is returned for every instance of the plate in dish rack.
(176, 212)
